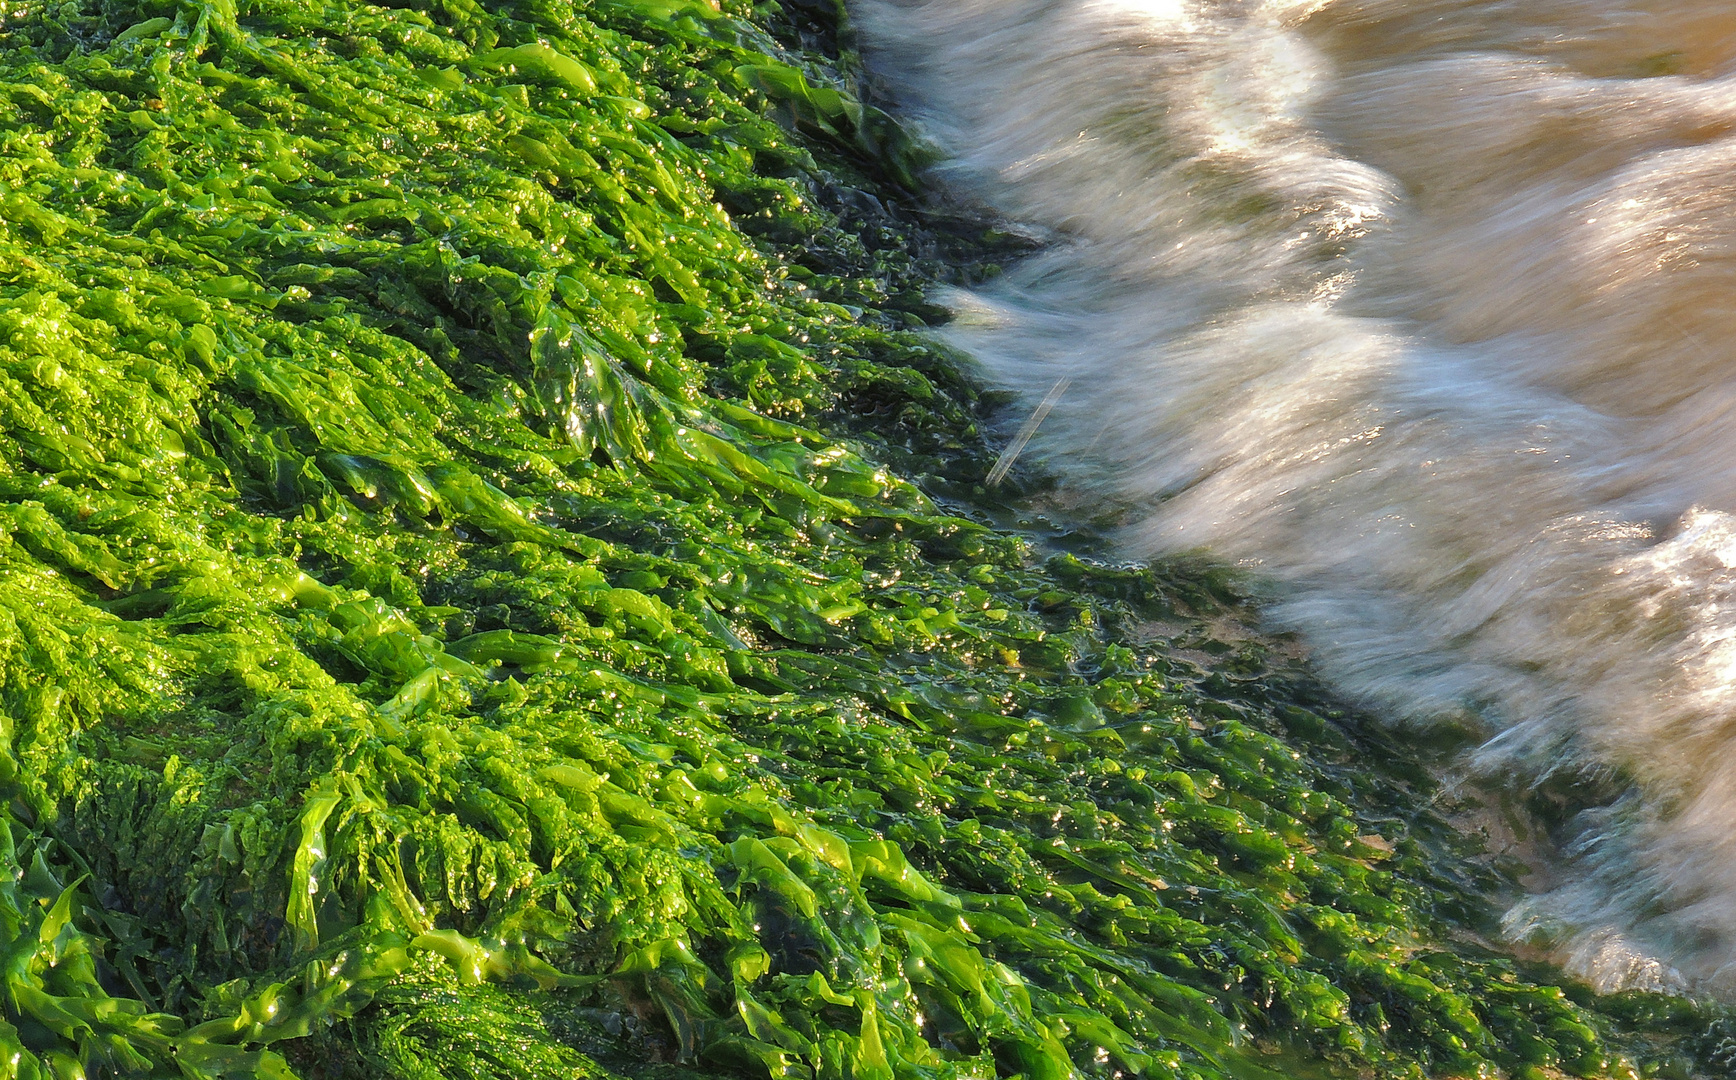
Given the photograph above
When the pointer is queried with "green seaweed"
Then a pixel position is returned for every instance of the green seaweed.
(461, 616)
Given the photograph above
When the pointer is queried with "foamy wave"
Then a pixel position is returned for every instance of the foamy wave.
(1424, 307)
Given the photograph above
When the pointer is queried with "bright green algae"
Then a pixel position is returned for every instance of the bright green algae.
(431, 648)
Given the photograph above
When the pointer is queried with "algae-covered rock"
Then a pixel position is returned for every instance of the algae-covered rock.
(460, 614)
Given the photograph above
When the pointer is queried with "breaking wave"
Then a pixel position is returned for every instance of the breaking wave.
(1425, 309)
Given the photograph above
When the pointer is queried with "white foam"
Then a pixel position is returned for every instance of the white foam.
(1426, 309)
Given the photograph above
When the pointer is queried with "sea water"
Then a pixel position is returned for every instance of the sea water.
(1425, 310)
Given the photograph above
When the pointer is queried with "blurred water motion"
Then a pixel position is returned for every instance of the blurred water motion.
(1426, 309)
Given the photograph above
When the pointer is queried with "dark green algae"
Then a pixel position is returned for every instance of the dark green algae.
(462, 616)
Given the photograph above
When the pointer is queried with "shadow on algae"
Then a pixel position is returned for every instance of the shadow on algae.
(463, 617)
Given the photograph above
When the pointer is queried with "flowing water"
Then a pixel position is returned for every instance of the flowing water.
(1426, 310)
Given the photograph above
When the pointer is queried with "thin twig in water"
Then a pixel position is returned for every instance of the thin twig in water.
(1004, 464)
(1692, 339)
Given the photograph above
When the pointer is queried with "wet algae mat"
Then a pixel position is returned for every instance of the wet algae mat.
(492, 586)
